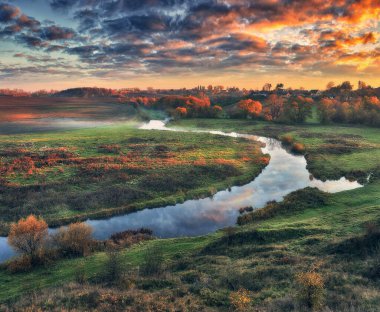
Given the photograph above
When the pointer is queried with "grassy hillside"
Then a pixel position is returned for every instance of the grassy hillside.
(335, 235)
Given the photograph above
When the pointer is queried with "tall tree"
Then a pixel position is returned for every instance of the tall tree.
(275, 107)
(297, 109)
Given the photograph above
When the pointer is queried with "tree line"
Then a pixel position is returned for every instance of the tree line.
(339, 104)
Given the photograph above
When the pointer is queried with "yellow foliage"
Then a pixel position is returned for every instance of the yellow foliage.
(240, 300)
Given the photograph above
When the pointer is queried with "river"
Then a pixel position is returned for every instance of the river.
(284, 174)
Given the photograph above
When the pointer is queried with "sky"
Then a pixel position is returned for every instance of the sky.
(58, 44)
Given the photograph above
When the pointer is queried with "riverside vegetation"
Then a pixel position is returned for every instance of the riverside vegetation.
(313, 251)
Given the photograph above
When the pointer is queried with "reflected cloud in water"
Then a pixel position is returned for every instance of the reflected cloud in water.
(284, 174)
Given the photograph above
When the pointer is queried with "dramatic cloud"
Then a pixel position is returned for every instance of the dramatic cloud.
(56, 33)
(220, 36)
(8, 12)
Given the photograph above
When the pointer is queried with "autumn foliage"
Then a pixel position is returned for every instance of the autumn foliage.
(298, 148)
(240, 300)
(28, 237)
(311, 289)
(250, 107)
(298, 108)
(181, 111)
(358, 110)
(74, 240)
(195, 106)
(274, 108)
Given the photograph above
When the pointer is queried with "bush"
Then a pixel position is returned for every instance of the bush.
(28, 236)
(311, 290)
(153, 263)
(110, 148)
(21, 264)
(74, 240)
(240, 300)
(295, 201)
(298, 148)
(245, 209)
(287, 139)
(131, 237)
(80, 273)
(114, 269)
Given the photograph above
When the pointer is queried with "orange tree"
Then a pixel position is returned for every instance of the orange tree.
(28, 236)
(181, 111)
(250, 107)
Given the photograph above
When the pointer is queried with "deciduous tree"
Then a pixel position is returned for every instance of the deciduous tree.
(275, 107)
(181, 111)
(217, 110)
(298, 109)
(28, 236)
(326, 110)
(250, 107)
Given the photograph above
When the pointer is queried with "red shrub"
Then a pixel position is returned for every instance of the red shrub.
(298, 148)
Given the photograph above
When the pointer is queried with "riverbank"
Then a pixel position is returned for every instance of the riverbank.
(262, 257)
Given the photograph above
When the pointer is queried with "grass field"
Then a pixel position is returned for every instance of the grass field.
(331, 234)
(72, 175)
(332, 151)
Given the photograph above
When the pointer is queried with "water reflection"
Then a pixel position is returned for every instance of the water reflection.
(284, 174)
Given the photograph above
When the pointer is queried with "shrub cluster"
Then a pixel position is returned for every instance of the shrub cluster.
(31, 239)
(296, 201)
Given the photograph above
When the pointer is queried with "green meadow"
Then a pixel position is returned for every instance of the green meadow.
(335, 234)
(72, 175)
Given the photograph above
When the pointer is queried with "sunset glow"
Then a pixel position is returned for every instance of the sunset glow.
(58, 44)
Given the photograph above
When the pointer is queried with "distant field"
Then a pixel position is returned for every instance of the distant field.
(31, 114)
(24, 108)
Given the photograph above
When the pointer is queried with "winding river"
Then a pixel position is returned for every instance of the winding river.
(284, 174)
